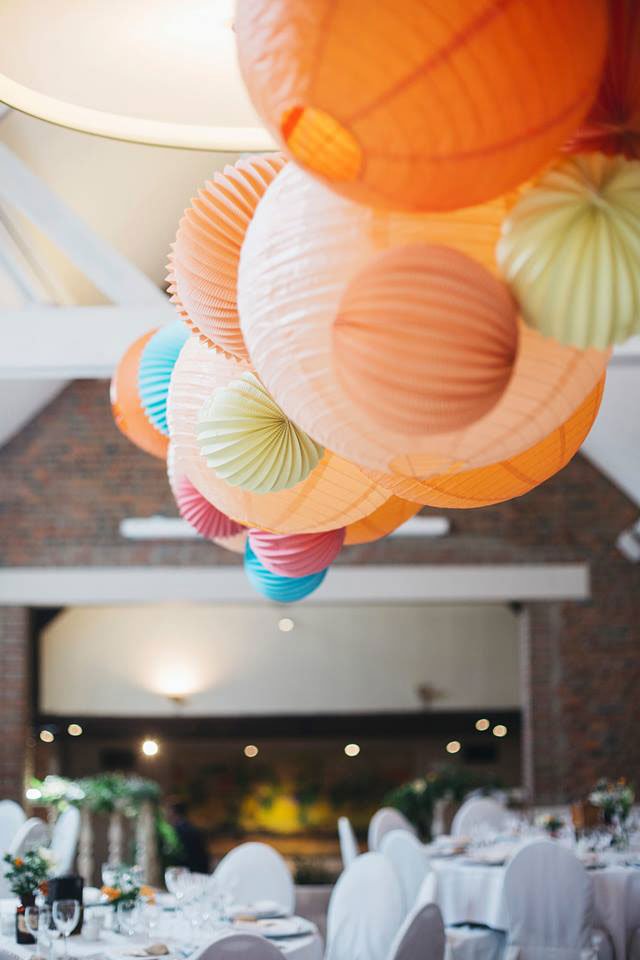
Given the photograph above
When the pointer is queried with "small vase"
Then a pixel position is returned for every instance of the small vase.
(22, 933)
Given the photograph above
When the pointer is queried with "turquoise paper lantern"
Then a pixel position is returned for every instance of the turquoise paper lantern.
(156, 366)
(276, 587)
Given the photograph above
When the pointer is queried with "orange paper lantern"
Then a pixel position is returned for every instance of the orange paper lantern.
(126, 406)
(287, 318)
(425, 339)
(508, 479)
(381, 522)
(203, 264)
(421, 105)
(613, 123)
(334, 494)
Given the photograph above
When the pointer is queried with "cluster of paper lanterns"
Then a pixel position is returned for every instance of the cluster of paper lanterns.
(414, 303)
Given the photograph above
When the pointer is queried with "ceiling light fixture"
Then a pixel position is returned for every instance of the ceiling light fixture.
(74, 730)
(150, 748)
(499, 730)
(454, 746)
(251, 751)
(47, 736)
(286, 624)
(482, 724)
(352, 749)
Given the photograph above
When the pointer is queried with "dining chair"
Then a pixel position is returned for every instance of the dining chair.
(348, 843)
(12, 816)
(255, 871)
(549, 902)
(479, 812)
(409, 859)
(464, 941)
(365, 910)
(239, 946)
(32, 834)
(64, 840)
(384, 821)
(421, 936)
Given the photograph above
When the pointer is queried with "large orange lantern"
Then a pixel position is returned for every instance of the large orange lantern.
(333, 495)
(203, 263)
(425, 339)
(508, 479)
(613, 123)
(126, 405)
(381, 522)
(422, 104)
(288, 319)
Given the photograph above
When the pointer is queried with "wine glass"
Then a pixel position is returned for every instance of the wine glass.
(174, 878)
(128, 914)
(66, 914)
(38, 920)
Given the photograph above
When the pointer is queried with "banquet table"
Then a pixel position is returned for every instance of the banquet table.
(113, 946)
(473, 893)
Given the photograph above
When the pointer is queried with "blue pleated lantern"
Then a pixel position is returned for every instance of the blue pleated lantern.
(156, 366)
(276, 587)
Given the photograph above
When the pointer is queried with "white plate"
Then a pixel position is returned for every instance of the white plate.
(279, 927)
(260, 910)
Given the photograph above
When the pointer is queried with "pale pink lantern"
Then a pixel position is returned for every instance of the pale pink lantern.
(296, 555)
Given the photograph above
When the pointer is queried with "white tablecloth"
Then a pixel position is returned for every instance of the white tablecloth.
(469, 893)
(110, 947)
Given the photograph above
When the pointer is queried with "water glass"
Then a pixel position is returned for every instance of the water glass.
(66, 914)
(38, 921)
(128, 915)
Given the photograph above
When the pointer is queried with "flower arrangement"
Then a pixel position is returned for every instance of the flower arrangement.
(615, 799)
(29, 873)
(126, 887)
(551, 823)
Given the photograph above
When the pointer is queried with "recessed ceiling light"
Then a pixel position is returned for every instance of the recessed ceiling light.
(453, 746)
(286, 624)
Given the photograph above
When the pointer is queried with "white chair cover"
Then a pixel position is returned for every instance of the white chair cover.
(348, 843)
(255, 871)
(365, 910)
(479, 812)
(240, 946)
(12, 816)
(33, 833)
(384, 821)
(421, 936)
(64, 840)
(409, 860)
(549, 901)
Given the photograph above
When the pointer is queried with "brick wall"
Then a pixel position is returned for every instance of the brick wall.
(69, 478)
(14, 709)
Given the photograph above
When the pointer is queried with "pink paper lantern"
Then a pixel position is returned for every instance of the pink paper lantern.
(296, 555)
(202, 515)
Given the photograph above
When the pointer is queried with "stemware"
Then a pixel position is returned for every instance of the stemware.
(175, 880)
(109, 873)
(38, 921)
(66, 914)
(128, 914)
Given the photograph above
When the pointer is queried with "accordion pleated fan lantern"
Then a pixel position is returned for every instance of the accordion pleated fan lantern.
(421, 105)
(203, 263)
(126, 404)
(296, 555)
(209, 522)
(157, 361)
(289, 320)
(571, 251)
(276, 587)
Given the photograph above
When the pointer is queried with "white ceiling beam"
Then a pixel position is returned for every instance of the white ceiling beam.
(48, 342)
(427, 583)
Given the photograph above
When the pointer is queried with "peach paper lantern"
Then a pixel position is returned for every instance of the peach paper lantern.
(382, 521)
(126, 405)
(203, 264)
(613, 123)
(422, 104)
(296, 555)
(333, 495)
(288, 319)
(510, 478)
(425, 339)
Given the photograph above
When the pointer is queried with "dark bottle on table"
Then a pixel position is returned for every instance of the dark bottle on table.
(67, 887)
(22, 933)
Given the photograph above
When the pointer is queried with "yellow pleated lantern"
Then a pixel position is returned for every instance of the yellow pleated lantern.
(510, 478)
(420, 104)
(203, 262)
(288, 318)
(571, 251)
(381, 522)
(334, 494)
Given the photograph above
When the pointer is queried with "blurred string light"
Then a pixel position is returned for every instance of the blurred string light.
(482, 724)
(150, 748)
(453, 746)
(251, 750)
(499, 730)
(32, 793)
(352, 749)
(74, 730)
(47, 736)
